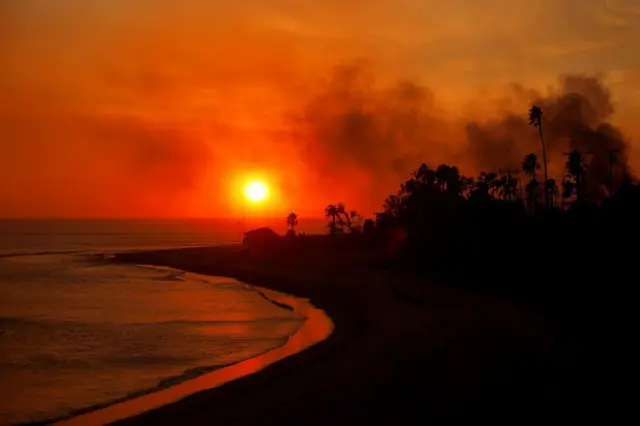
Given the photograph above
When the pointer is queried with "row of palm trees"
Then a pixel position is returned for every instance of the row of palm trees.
(487, 185)
(340, 220)
(574, 181)
(491, 186)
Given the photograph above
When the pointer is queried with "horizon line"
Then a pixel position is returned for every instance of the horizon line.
(283, 218)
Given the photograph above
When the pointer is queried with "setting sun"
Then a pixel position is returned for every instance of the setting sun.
(256, 191)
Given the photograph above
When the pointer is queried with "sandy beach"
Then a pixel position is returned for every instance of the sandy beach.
(396, 355)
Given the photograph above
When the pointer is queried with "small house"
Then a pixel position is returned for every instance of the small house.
(261, 237)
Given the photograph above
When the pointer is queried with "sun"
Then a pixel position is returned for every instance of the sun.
(256, 191)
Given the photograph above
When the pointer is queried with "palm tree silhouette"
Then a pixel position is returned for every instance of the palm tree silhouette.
(331, 213)
(530, 165)
(292, 220)
(535, 119)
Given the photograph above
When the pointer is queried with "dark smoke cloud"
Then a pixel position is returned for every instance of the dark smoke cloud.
(354, 123)
(576, 116)
(386, 132)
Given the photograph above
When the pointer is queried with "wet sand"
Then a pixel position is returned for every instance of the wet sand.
(396, 355)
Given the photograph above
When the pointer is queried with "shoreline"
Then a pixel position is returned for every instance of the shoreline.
(455, 355)
(315, 327)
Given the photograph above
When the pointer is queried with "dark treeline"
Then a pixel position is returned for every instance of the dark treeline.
(559, 249)
(561, 245)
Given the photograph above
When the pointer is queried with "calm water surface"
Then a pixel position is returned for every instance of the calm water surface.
(77, 333)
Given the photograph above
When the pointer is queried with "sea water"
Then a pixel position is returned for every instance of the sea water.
(78, 332)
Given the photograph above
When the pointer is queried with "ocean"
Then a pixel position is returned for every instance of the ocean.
(76, 332)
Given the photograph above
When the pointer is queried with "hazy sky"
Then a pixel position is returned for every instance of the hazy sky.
(160, 107)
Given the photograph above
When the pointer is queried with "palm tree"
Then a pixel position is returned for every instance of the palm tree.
(535, 119)
(292, 220)
(530, 165)
(331, 213)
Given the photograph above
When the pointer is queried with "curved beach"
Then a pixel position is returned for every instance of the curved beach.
(315, 327)
(440, 354)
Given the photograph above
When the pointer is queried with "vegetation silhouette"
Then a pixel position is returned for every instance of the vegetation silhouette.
(535, 119)
(341, 220)
(559, 246)
(292, 222)
(562, 255)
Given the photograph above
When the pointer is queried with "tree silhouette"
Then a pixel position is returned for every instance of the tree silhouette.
(453, 180)
(551, 189)
(568, 188)
(368, 227)
(481, 188)
(292, 220)
(331, 213)
(530, 165)
(507, 187)
(442, 173)
(576, 170)
(501, 186)
(468, 183)
(535, 119)
(424, 175)
(392, 205)
(354, 221)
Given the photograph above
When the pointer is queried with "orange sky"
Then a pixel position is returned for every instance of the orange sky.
(161, 108)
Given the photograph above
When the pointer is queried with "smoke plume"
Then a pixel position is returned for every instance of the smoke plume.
(385, 132)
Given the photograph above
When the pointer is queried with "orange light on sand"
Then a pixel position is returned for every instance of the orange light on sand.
(256, 191)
